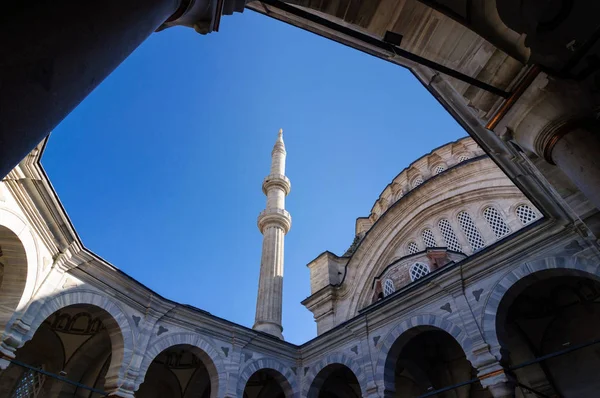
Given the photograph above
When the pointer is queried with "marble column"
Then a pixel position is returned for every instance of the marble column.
(577, 154)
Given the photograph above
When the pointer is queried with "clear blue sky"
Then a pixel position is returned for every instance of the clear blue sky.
(160, 168)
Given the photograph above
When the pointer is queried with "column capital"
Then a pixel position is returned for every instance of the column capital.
(549, 135)
(546, 102)
(493, 376)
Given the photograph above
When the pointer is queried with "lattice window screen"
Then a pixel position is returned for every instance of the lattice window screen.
(428, 238)
(388, 287)
(418, 270)
(30, 385)
(470, 230)
(439, 168)
(526, 214)
(418, 181)
(462, 158)
(449, 235)
(496, 222)
(413, 248)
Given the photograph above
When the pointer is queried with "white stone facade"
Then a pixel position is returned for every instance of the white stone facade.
(52, 284)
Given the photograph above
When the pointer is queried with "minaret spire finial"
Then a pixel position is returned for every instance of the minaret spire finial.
(273, 222)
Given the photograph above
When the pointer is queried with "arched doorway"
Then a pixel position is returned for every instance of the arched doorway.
(13, 274)
(74, 342)
(335, 381)
(425, 359)
(180, 371)
(547, 312)
(267, 383)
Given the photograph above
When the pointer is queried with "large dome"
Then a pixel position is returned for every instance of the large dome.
(446, 206)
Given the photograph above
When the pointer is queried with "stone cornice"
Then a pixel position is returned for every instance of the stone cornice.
(29, 185)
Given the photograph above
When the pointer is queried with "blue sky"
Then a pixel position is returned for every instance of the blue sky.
(160, 168)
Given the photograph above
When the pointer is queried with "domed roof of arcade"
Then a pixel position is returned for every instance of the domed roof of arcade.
(469, 182)
(423, 169)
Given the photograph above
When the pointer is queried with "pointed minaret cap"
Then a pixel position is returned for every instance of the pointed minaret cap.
(279, 144)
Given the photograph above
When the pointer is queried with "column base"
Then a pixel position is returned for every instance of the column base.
(270, 328)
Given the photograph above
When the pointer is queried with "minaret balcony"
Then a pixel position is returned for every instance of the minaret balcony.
(274, 217)
(276, 180)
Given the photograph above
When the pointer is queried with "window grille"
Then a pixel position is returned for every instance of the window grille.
(496, 222)
(428, 238)
(30, 385)
(470, 230)
(462, 158)
(418, 181)
(388, 287)
(413, 248)
(449, 235)
(438, 169)
(418, 270)
(526, 214)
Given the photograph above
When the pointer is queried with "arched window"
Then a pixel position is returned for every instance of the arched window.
(462, 158)
(526, 214)
(418, 270)
(449, 235)
(418, 181)
(428, 238)
(30, 385)
(388, 287)
(413, 248)
(439, 168)
(496, 222)
(470, 230)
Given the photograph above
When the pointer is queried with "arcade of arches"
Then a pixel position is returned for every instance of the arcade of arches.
(75, 326)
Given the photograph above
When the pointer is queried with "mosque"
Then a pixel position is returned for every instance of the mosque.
(475, 274)
(447, 284)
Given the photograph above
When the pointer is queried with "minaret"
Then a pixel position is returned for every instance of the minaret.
(273, 222)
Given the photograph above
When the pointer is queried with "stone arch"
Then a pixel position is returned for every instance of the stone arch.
(538, 269)
(114, 319)
(332, 359)
(407, 330)
(202, 349)
(16, 294)
(283, 374)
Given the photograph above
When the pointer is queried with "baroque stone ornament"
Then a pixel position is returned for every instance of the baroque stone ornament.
(446, 307)
(477, 294)
(161, 330)
(136, 320)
